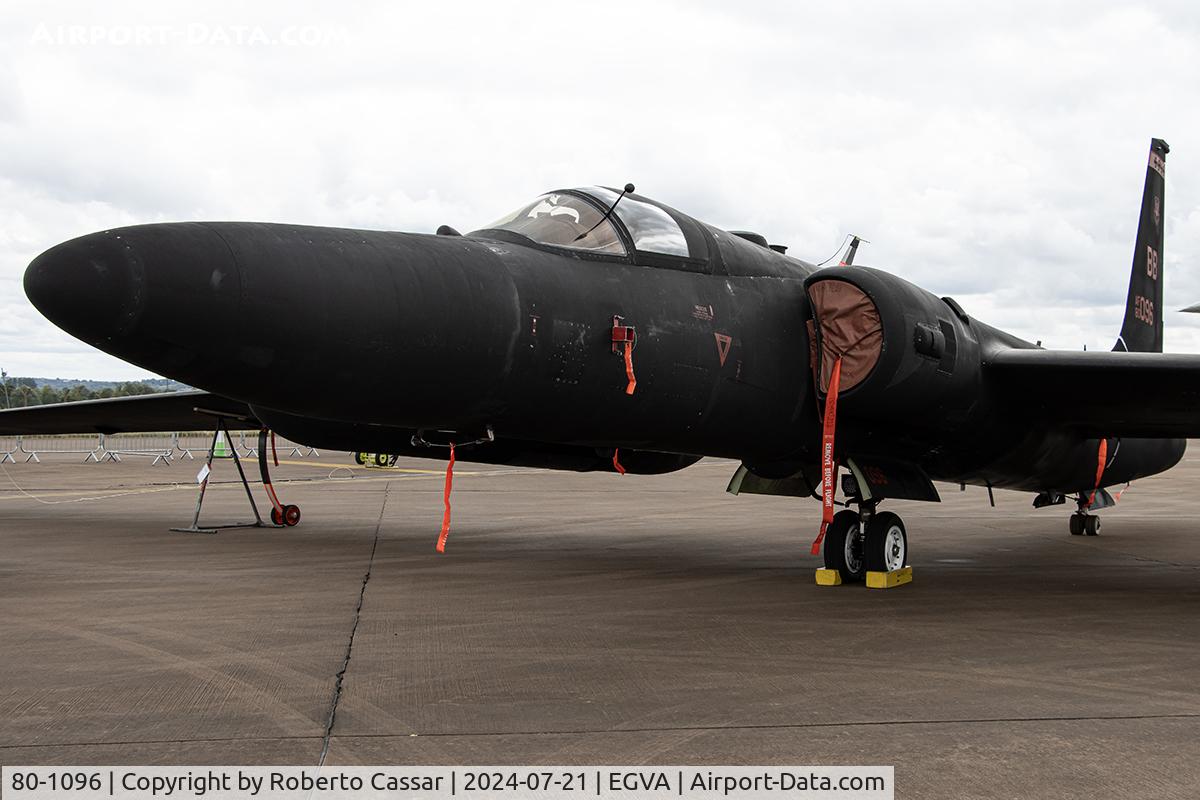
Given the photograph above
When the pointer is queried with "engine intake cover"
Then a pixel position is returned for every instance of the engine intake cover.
(907, 358)
(850, 329)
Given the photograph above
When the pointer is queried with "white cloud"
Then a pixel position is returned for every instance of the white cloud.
(993, 152)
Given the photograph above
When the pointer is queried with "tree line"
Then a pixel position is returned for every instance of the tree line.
(23, 392)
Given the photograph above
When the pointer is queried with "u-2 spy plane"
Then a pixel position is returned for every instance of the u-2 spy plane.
(597, 330)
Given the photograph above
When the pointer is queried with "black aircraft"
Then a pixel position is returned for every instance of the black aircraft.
(596, 330)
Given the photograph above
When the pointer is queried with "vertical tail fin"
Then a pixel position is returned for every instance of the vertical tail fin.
(1142, 331)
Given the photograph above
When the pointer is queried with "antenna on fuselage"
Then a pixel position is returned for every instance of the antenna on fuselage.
(848, 260)
(629, 189)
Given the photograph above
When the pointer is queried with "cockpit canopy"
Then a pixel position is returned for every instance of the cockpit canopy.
(575, 219)
(564, 220)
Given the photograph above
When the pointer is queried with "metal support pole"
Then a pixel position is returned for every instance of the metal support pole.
(242, 473)
(195, 527)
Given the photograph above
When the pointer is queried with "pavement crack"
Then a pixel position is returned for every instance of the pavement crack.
(341, 673)
(1148, 560)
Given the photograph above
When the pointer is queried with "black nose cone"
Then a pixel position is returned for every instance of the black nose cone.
(91, 287)
(161, 296)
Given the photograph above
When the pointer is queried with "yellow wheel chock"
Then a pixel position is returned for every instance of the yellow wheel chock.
(875, 580)
(829, 577)
(889, 580)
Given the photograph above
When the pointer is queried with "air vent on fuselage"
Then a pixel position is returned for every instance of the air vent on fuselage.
(751, 236)
(957, 309)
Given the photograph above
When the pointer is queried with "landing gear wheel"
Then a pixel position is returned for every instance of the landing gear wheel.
(381, 460)
(276, 516)
(360, 458)
(1091, 525)
(885, 547)
(1076, 524)
(291, 515)
(843, 547)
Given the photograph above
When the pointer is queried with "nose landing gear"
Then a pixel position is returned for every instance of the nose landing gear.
(843, 549)
(867, 545)
(886, 543)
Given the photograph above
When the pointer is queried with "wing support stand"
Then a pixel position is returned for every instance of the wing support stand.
(206, 473)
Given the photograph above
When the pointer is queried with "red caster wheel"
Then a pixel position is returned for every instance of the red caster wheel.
(276, 517)
(291, 515)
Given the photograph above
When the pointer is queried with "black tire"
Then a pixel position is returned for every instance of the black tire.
(1076, 524)
(276, 516)
(360, 458)
(291, 515)
(843, 547)
(381, 459)
(885, 546)
(1091, 525)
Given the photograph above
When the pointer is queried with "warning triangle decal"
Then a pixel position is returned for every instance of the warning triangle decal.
(723, 343)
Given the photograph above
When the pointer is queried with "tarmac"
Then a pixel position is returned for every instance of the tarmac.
(594, 619)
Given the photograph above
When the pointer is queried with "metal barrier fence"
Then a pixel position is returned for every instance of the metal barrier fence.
(8, 446)
(163, 448)
(158, 446)
(248, 442)
(90, 445)
(188, 443)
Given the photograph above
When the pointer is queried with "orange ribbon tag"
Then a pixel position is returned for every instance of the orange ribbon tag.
(1102, 456)
(441, 543)
(629, 368)
(828, 462)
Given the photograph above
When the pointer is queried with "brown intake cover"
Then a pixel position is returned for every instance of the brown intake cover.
(850, 330)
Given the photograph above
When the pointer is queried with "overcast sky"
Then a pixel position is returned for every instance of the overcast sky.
(993, 153)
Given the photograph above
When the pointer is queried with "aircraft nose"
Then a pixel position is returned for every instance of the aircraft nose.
(146, 293)
(91, 287)
(384, 326)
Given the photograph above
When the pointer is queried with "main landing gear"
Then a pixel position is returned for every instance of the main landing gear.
(1082, 524)
(865, 541)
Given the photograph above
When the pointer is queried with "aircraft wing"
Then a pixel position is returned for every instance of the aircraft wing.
(1102, 394)
(168, 411)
